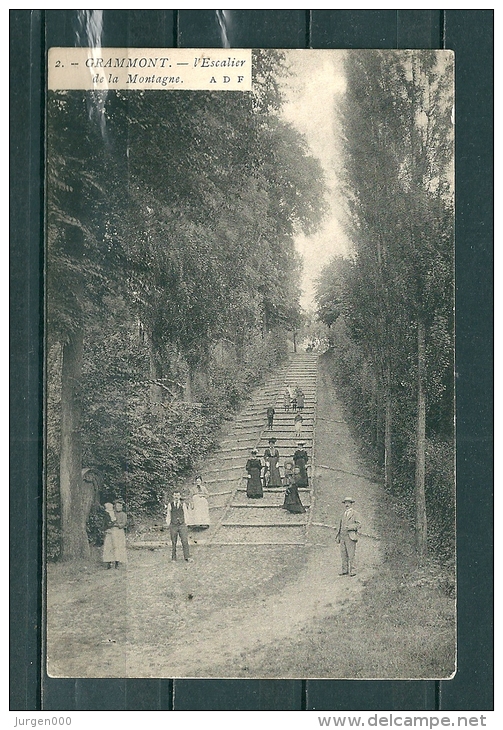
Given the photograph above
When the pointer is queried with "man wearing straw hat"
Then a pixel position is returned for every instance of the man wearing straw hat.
(347, 536)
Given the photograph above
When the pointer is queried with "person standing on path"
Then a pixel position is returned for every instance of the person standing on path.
(270, 416)
(347, 536)
(271, 457)
(176, 519)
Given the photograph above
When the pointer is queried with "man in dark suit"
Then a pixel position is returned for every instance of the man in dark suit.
(347, 536)
(176, 519)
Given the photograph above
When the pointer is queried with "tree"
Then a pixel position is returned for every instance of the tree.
(330, 290)
(398, 163)
(182, 206)
(220, 186)
(75, 275)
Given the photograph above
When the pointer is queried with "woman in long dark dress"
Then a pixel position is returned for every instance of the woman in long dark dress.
(271, 456)
(254, 468)
(300, 399)
(300, 459)
(292, 501)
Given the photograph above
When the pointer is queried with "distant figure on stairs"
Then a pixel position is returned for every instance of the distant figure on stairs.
(254, 468)
(300, 399)
(198, 515)
(292, 501)
(271, 456)
(288, 468)
(298, 421)
(270, 416)
(287, 400)
(300, 459)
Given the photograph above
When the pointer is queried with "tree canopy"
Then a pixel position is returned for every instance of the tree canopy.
(171, 214)
(397, 284)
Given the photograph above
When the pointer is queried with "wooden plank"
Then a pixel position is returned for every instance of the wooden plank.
(262, 543)
(263, 524)
(275, 490)
(257, 506)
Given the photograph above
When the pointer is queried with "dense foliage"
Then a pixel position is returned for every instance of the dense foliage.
(172, 279)
(390, 305)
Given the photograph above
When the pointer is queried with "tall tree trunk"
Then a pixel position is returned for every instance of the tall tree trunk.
(376, 415)
(294, 341)
(420, 495)
(388, 431)
(187, 388)
(265, 321)
(201, 378)
(75, 502)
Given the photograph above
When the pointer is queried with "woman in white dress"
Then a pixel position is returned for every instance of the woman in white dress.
(199, 512)
(114, 546)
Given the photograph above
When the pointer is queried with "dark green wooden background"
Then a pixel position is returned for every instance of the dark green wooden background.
(470, 34)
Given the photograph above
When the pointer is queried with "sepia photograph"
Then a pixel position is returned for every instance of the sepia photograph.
(249, 461)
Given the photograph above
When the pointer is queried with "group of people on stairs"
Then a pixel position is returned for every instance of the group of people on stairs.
(293, 398)
(184, 512)
(266, 474)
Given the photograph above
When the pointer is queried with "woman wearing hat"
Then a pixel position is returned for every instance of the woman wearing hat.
(300, 459)
(254, 468)
(271, 456)
(292, 501)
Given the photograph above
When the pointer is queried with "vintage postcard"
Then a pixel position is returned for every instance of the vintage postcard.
(249, 358)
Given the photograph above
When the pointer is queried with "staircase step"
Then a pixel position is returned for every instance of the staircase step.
(275, 489)
(262, 524)
(277, 504)
(251, 544)
(244, 521)
(260, 535)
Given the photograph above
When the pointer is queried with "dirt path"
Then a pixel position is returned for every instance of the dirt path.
(236, 611)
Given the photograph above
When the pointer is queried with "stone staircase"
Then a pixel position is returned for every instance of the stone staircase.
(236, 520)
(264, 522)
